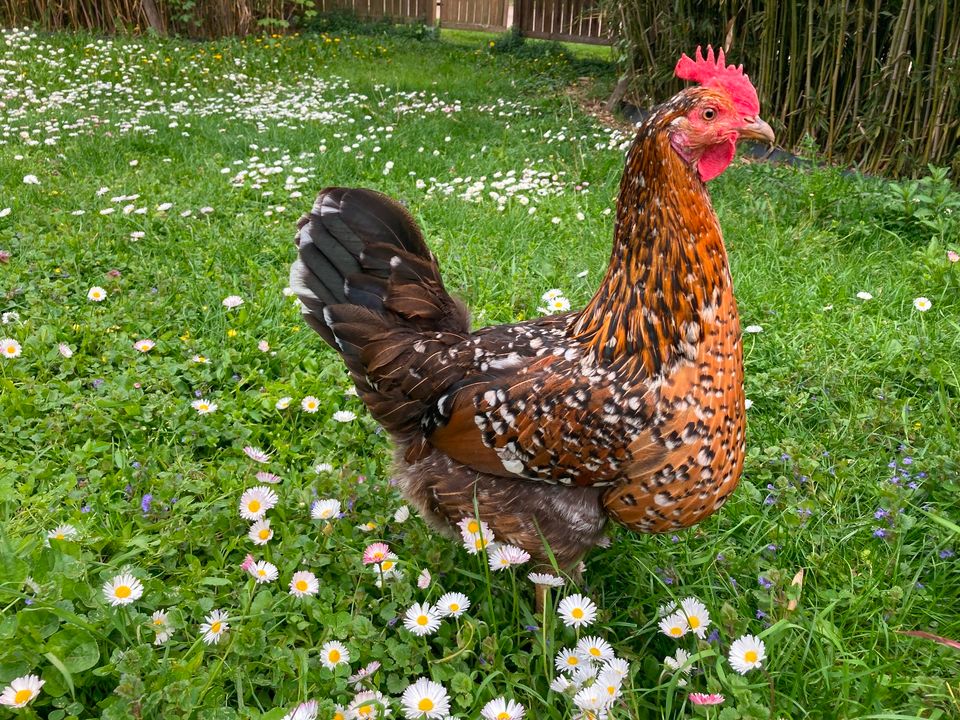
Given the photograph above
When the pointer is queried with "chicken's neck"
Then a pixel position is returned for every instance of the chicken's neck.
(668, 271)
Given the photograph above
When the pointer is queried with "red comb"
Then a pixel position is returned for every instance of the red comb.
(714, 73)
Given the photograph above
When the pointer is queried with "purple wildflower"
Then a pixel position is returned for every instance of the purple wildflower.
(145, 502)
(946, 553)
(764, 582)
(880, 533)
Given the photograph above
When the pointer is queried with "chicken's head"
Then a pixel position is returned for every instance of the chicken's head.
(723, 110)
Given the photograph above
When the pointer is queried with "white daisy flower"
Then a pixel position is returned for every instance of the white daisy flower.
(310, 404)
(753, 329)
(4, 212)
(65, 350)
(552, 294)
(255, 502)
(610, 684)
(402, 514)
(304, 583)
(214, 626)
(423, 579)
(594, 648)
(504, 556)
(453, 604)
(344, 416)
(502, 709)
(31, 180)
(590, 698)
(122, 589)
(368, 705)
(333, 653)
(679, 661)
(561, 683)
(421, 619)
(260, 532)
(203, 407)
(747, 653)
(232, 301)
(568, 660)
(200, 359)
(96, 294)
(13, 316)
(425, 699)
(577, 611)
(263, 346)
(264, 572)
(922, 304)
(161, 627)
(256, 454)
(618, 665)
(327, 509)
(864, 295)
(21, 691)
(545, 579)
(322, 468)
(144, 345)
(268, 477)
(303, 711)
(63, 532)
(698, 618)
(674, 625)
(283, 403)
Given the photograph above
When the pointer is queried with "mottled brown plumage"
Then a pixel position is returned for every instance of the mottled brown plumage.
(631, 409)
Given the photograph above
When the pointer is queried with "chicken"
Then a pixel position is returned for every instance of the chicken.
(631, 409)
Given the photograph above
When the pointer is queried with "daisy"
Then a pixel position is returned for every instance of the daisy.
(322, 468)
(594, 648)
(260, 532)
(161, 626)
(368, 705)
(706, 698)
(953, 256)
(864, 295)
(10, 317)
(421, 619)
(388, 566)
(303, 711)
(568, 660)
(609, 683)
(577, 611)
(232, 301)
(423, 579)
(502, 709)
(144, 345)
(4, 212)
(255, 502)
(325, 509)
(922, 304)
(590, 698)
(425, 699)
(561, 683)
(200, 359)
(698, 618)
(504, 556)
(310, 404)
(402, 514)
(268, 477)
(65, 350)
(263, 346)
(31, 180)
(96, 294)
(256, 454)
(21, 691)
(753, 329)
(9, 348)
(674, 625)
(304, 583)
(375, 553)
(334, 653)
(344, 416)
(747, 653)
(471, 528)
(545, 579)
(123, 589)
(264, 571)
(453, 604)
(339, 713)
(363, 673)
(63, 532)
(552, 294)
(248, 562)
(203, 407)
(618, 665)
(214, 627)
(283, 403)
(679, 661)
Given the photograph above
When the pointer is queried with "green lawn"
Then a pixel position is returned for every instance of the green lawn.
(170, 174)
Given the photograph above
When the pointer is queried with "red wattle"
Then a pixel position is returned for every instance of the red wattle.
(715, 159)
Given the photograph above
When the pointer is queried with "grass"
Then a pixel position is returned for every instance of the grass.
(851, 476)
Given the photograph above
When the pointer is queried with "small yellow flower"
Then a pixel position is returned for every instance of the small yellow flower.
(231, 333)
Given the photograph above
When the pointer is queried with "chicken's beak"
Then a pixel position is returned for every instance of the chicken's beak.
(757, 129)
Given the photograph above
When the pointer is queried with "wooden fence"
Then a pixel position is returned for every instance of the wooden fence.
(571, 20)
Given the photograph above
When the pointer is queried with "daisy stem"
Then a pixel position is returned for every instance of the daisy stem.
(490, 611)
(516, 605)
(543, 632)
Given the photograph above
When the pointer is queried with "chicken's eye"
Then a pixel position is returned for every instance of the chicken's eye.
(709, 114)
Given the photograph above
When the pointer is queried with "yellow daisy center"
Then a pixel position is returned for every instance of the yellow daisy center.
(264, 534)
(473, 527)
(301, 585)
(426, 705)
(750, 656)
(387, 564)
(122, 591)
(11, 349)
(572, 660)
(454, 607)
(334, 656)
(503, 716)
(338, 716)
(595, 652)
(261, 572)
(326, 513)
(365, 710)
(215, 628)
(577, 613)
(58, 536)
(253, 506)
(158, 621)
(676, 631)
(693, 621)
(423, 620)
(23, 695)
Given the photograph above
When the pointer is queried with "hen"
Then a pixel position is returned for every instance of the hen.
(631, 409)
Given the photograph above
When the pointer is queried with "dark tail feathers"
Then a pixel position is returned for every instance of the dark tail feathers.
(371, 288)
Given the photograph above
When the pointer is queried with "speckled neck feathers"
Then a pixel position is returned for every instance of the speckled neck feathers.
(668, 267)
